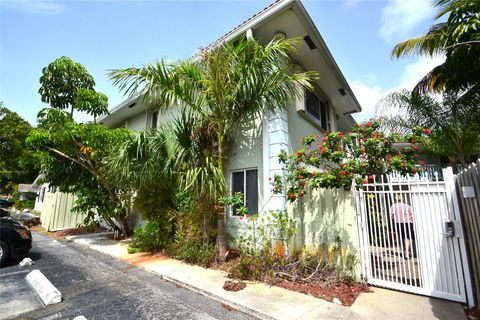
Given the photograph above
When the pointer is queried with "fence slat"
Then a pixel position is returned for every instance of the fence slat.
(470, 211)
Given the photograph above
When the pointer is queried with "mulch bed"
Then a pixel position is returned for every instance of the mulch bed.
(328, 289)
(346, 293)
(62, 234)
(473, 314)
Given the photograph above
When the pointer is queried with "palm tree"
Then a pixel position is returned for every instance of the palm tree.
(227, 85)
(453, 121)
(459, 39)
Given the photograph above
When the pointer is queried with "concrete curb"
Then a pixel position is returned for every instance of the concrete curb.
(44, 289)
(239, 307)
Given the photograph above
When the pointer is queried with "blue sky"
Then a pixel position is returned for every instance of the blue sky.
(104, 35)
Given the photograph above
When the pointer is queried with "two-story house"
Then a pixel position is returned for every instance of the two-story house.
(255, 153)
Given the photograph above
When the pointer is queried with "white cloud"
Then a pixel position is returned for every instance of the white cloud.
(34, 6)
(369, 92)
(399, 17)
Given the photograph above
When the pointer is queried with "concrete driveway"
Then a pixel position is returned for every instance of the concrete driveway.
(98, 287)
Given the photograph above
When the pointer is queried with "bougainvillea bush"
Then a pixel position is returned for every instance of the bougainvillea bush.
(337, 159)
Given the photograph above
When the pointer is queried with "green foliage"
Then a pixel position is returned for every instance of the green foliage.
(67, 84)
(24, 204)
(73, 158)
(194, 251)
(253, 267)
(236, 201)
(91, 102)
(338, 159)
(61, 80)
(459, 39)
(264, 230)
(453, 121)
(153, 237)
(17, 163)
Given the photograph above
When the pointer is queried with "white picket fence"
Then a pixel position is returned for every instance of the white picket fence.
(434, 261)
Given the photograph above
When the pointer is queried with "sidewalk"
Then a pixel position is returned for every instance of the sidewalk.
(269, 302)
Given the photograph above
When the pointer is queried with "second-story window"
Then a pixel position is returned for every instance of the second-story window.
(317, 109)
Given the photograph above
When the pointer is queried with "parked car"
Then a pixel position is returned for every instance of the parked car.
(3, 213)
(15, 240)
(4, 203)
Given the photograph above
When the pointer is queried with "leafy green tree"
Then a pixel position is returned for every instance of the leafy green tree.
(67, 84)
(73, 158)
(452, 120)
(17, 163)
(459, 39)
(228, 85)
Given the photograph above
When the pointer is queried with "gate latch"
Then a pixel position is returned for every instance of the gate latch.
(449, 229)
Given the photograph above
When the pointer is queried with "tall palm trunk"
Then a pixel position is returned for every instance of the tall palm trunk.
(221, 229)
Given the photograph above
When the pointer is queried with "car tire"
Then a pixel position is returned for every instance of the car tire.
(4, 252)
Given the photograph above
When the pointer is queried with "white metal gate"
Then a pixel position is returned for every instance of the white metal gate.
(411, 236)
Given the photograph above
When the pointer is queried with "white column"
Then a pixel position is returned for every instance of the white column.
(275, 138)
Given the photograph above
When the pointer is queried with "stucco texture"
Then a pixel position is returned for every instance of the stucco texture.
(327, 221)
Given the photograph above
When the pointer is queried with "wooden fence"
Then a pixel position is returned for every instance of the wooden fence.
(468, 189)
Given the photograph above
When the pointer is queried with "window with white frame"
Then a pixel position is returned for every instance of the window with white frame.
(246, 182)
(317, 109)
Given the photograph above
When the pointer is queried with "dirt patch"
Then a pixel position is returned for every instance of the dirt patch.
(234, 285)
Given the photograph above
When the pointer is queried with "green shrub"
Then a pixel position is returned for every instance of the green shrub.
(24, 204)
(153, 237)
(194, 251)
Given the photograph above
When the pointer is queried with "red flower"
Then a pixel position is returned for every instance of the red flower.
(371, 177)
(374, 135)
(323, 150)
(389, 157)
(414, 147)
(246, 216)
(426, 131)
(414, 170)
(299, 177)
(300, 194)
(291, 196)
(269, 178)
(340, 135)
(302, 182)
(342, 172)
(421, 162)
(365, 181)
(241, 218)
(370, 123)
(299, 153)
(325, 139)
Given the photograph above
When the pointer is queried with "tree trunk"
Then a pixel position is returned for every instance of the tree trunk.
(221, 236)
(221, 230)
(123, 226)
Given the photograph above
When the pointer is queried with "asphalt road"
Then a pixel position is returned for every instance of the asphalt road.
(99, 287)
